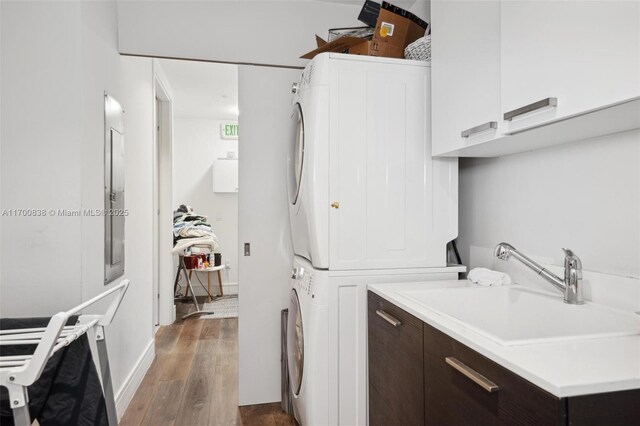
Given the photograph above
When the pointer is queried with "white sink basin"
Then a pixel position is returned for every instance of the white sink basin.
(513, 315)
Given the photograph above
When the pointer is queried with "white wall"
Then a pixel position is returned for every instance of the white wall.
(196, 144)
(251, 32)
(41, 156)
(58, 58)
(261, 32)
(583, 195)
(264, 98)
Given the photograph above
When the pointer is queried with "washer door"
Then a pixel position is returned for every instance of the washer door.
(295, 344)
(296, 153)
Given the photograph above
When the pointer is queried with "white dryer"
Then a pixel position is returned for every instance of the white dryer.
(364, 191)
(307, 353)
(308, 161)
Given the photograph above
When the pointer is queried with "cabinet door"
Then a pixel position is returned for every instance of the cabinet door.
(465, 73)
(392, 203)
(583, 53)
(453, 398)
(396, 385)
(225, 175)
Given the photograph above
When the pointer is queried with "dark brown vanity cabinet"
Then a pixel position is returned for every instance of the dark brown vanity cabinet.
(421, 376)
(396, 385)
(463, 387)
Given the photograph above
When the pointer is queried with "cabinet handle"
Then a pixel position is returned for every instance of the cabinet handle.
(478, 129)
(548, 102)
(388, 318)
(476, 377)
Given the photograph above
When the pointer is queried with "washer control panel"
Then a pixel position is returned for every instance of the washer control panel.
(304, 280)
(306, 283)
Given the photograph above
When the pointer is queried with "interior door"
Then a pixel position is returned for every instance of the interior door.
(156, 211)
(266, 253)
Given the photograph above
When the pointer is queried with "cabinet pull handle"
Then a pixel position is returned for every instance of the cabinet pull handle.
(478, 129)
(388, 318)
(476, 377)
(548, 102)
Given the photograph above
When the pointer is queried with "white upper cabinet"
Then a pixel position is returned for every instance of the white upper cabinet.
(225, 175)
(578, 55)
(465, 73)
(546, 72)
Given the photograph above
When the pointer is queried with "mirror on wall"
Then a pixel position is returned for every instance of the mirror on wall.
(114, 211)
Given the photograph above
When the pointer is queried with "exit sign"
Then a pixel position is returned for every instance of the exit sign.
(229, 130)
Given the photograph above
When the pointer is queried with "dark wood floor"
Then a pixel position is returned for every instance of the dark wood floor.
(194, 380)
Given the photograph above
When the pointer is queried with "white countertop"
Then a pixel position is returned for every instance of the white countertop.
(567, 368)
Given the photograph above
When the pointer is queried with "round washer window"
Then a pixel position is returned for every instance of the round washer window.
(295, 344)
(296, 153)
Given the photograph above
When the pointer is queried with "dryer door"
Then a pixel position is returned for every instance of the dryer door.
(296, 153)
(295, 343)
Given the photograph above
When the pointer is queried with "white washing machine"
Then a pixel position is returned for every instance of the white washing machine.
(364, 191)
(327, 339)
(307, 345)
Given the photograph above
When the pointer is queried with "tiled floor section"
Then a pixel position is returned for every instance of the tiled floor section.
(194, 380)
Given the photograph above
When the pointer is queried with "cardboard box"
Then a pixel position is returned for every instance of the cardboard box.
(359, 32)
(396, 28)
(373, 48)
(355, 46)
(341, 45)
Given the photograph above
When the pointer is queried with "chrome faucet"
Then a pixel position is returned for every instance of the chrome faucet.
(571, 286)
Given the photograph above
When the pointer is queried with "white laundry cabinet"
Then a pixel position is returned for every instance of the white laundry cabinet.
(512, 76)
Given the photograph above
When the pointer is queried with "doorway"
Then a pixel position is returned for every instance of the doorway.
(204, 185)
(162, 299)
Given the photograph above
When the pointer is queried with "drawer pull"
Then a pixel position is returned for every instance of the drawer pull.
(481, 128)
(388, 318)
(476, 377)
(548, 102)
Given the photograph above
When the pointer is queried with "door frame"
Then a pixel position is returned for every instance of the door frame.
(162, 294)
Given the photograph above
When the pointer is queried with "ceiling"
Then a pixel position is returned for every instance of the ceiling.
(203, 89)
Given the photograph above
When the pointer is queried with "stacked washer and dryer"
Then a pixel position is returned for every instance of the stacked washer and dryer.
(368, 204)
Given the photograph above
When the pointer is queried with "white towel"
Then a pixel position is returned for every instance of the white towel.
(201, 241)
(487, 277)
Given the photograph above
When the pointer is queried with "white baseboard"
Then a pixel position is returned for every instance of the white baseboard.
(230, 288)
(130, 386)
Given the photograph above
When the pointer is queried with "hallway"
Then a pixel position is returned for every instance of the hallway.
(194, 380)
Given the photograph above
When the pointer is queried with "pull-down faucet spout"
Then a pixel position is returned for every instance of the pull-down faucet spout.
(570, 285)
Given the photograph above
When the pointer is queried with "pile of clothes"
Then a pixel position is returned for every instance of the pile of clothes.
(191, 229)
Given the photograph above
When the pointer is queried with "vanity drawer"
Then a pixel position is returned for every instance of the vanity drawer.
(396, 386)
(458, 389)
